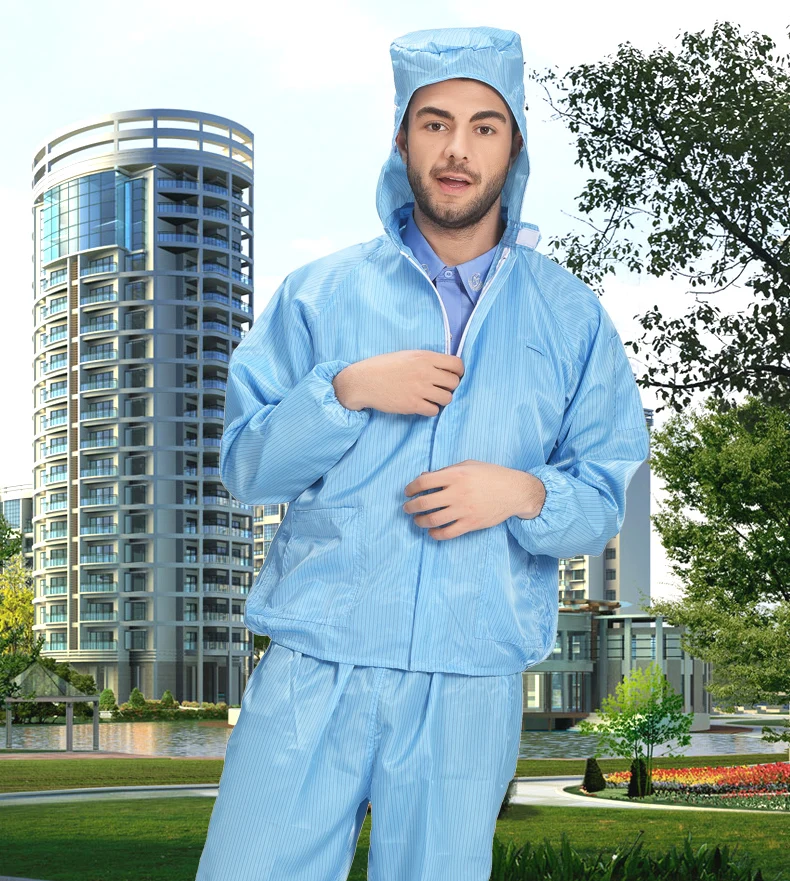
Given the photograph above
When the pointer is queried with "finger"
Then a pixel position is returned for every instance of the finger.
(427, 480)
(427, 502)
(451, 531)
(440, 517)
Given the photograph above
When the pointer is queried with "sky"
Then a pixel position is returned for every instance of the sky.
(313, 81)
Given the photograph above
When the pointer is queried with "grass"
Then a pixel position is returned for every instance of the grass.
(28, 775)
(161, 839)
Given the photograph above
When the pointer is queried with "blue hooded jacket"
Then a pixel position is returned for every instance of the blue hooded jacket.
(547, 389)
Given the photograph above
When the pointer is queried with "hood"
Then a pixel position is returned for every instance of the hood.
(489, 55)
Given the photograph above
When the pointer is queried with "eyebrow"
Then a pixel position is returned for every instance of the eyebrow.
(445, 114)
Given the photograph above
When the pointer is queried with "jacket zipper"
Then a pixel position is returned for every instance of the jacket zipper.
(447, 334)
(447, 345)
(486, 286)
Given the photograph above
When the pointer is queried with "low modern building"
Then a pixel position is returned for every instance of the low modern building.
(598, 644)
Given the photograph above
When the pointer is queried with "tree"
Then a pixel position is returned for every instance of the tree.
(726, 530)
(644, 712)
(694, 145)
(12, 664)
(17, 613)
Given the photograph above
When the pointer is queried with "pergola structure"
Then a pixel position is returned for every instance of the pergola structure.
(48, 687)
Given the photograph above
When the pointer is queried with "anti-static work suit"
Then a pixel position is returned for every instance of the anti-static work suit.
(394, 675)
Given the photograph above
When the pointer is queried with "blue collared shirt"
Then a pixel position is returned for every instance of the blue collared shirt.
(458, 286)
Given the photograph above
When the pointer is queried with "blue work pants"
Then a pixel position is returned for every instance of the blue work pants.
(317, 740)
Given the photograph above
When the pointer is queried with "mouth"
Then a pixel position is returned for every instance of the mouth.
(454, 183)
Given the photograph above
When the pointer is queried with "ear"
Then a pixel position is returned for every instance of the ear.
(401, 144)
(518, 142)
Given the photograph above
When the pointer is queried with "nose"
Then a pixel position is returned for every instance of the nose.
(458, 145)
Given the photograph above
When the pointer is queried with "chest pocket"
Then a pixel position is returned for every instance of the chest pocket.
(543, 375)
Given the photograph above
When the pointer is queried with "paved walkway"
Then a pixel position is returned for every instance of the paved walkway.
(536, 791)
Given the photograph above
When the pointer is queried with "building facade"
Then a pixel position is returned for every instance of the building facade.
(16, 503)
(143, 285)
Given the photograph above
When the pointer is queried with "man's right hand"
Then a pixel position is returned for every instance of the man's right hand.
(408, 381)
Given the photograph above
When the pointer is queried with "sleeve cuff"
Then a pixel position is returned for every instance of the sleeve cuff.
(558, 495)
(327, 371)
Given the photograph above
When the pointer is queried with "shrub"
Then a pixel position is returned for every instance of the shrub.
(107, 699)
(593, 776)
(167, 699)
(509, 792)
(639, 784)
(136, 697)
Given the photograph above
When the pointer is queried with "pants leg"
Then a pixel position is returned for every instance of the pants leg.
(447, 750)
(294, 788)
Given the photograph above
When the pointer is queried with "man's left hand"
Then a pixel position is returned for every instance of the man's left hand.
(475, 495)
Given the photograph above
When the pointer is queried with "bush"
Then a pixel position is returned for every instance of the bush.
(593, 776)
(509, 792)
(638, 784)
(167, 699)
(136, 697)
(154, 710)
(107, 699)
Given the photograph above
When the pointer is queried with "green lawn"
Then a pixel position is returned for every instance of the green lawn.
(21, 775)
(161, 839)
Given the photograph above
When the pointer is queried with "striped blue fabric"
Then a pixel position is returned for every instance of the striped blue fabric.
(317, 740)
(547, 389)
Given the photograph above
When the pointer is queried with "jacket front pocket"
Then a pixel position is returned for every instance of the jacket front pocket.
(510, 604)
(322, 566)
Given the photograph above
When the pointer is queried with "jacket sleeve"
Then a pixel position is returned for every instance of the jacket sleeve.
(603, 439)
(284, 426)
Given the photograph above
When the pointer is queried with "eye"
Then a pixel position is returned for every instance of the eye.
(488, 128)
(434, 123)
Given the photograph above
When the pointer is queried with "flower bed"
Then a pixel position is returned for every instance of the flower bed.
(765, 786)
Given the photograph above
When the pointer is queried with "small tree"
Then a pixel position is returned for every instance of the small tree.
(136, 697)
(644, 712)
(594, 781)
(107, 699)
(167, 699)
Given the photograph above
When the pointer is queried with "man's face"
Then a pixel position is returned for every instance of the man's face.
(458, 152)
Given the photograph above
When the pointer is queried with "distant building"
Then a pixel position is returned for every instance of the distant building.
(597, 646)
(143, 286)
(17, 506)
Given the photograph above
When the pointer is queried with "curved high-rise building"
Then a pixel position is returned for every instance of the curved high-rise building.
(143, 230)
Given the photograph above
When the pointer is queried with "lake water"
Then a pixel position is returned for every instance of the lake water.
(209, 738)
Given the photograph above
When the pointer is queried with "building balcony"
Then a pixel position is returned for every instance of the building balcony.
(54, 618)
(55, 563)
(98, 586)
(54, 590)
(98, 616)
(101, 296)
(90, 501)
(97, 269)
(99, 645)
(95, 384)
(103, 471)
(107, 413)
(98, 558)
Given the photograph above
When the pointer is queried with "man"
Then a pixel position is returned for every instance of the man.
(447, 412)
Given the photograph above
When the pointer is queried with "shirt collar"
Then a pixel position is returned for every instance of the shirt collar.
(472, 273)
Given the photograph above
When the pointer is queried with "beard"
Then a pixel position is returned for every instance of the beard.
(455, 217)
